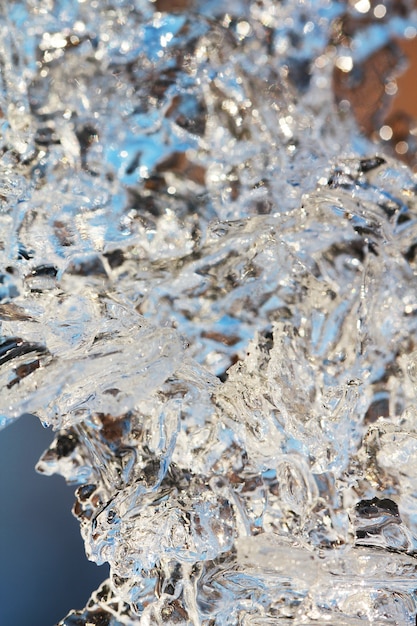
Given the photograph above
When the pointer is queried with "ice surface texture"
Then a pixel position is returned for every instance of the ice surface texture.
(209, 290)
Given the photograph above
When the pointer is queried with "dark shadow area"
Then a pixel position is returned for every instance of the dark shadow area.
(44, 571)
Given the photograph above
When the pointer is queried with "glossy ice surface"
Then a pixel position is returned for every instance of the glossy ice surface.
(209, 291)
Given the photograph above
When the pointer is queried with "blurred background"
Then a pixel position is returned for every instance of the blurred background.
(381, 91)
(43, 568)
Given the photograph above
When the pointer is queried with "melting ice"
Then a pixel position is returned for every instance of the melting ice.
(209, 291)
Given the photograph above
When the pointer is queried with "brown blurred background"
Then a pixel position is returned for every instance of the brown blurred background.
(382, 91)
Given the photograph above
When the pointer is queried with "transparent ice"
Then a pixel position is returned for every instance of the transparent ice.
(209, 290)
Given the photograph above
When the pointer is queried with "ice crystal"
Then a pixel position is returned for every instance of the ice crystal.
(209, 291)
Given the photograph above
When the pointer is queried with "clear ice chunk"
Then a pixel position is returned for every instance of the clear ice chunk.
(208, 289)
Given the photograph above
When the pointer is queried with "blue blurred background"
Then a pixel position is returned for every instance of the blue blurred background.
(43, 568)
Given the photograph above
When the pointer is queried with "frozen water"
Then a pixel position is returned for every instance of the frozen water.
(209, 290)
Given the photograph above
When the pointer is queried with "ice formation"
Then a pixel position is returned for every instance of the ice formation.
(209, 290)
